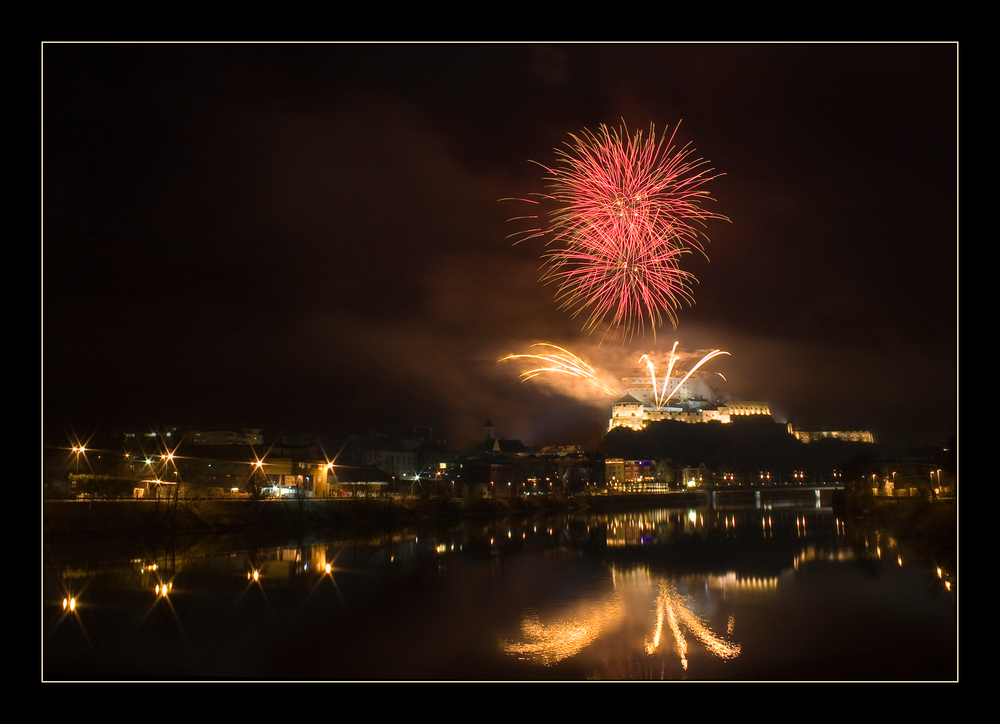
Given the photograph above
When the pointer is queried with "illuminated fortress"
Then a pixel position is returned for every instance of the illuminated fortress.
(691, 403)
(639, 407)
(673, 397)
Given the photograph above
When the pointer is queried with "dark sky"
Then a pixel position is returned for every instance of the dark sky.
(310, 238)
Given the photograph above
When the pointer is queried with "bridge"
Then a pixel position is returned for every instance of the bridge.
(762, 495)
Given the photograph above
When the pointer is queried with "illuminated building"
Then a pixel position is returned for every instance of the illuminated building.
(848, 435)
(633, 475)
(246, 436)
(634, 413)
(690, 400)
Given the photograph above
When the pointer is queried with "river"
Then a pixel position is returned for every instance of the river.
(743, 593)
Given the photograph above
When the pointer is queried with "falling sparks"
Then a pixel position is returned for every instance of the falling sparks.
(660, 394)
(562, 362)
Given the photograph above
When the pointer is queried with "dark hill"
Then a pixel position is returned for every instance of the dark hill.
(745, 445)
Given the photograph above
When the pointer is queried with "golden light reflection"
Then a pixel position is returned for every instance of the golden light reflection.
(812, 553)
(550, 643)
(70, 610)
(673, 607)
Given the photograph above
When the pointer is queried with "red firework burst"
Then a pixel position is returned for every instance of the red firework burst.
(627, 209)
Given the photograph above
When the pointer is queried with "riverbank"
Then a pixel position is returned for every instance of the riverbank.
(925, 526)
(63, 520)
(930, 529)
(69, 519)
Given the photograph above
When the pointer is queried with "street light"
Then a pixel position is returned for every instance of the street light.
(78, 450)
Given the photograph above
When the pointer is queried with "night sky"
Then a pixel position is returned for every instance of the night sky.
(310, 238)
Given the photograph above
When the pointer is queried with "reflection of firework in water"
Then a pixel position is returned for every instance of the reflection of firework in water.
(550, 643)
(628, 208)
(564, 362)
(673, 607)
(566, 634)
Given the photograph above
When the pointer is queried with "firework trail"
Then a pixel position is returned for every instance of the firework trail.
(628, 209)
(660, 395)
(564, 362)
(711, 355)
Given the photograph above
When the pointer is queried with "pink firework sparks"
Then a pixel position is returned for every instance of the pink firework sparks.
(628, 209)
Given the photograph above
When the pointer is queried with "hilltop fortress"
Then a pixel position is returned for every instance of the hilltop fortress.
(694, 401)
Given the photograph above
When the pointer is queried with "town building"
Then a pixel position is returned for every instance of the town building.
(847, 435)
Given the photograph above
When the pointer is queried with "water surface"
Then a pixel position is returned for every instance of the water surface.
(744, 593)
